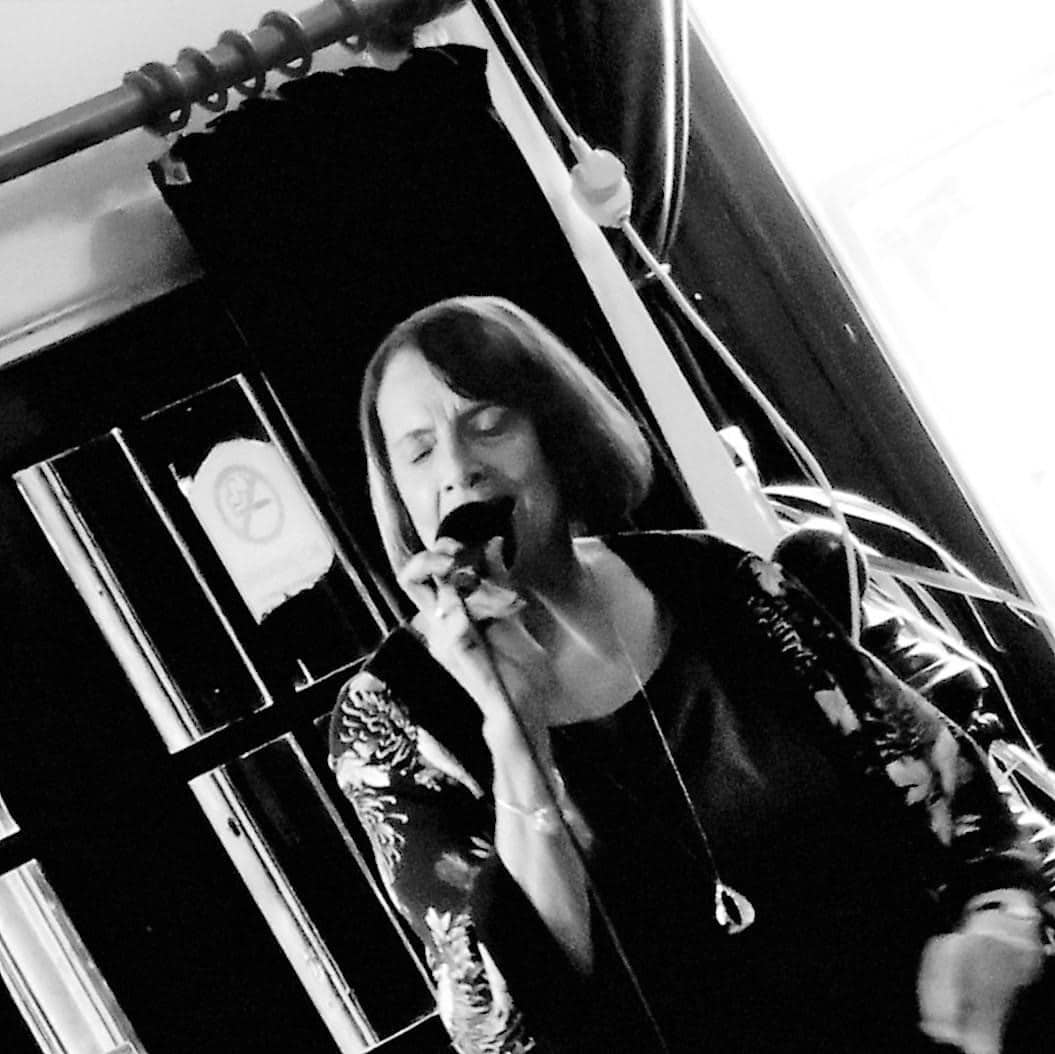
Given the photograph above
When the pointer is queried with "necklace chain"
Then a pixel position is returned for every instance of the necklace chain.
(732, 910)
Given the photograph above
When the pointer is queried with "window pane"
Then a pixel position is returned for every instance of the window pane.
(249, 501)
(928, 167)
(217, 581)
(173, 645)
(62, 996)
(309, 879)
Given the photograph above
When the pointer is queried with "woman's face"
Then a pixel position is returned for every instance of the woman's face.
(445, 450)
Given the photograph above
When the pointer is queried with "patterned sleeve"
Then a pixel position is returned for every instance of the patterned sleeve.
(428, 825)
(903, 742)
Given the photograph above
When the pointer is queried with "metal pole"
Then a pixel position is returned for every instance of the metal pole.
(160, 96)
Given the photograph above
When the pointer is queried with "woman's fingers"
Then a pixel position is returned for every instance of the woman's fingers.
(494, 561)
(458, 643)
(479, 639)
(421, 574)
(450, 625)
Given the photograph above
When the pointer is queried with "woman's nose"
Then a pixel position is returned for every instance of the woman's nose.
(461, 469)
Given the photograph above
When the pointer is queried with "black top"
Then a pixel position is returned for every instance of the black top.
(830, 961)
(836, 799)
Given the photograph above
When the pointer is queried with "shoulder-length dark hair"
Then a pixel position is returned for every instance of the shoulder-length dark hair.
(486, 348)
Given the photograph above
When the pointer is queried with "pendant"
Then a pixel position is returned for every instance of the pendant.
(732, 910)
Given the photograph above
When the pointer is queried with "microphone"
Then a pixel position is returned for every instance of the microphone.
(474, 525)
(814, 554)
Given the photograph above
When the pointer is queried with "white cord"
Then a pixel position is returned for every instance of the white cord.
(786, 432)
(529, 69)
(600, 186)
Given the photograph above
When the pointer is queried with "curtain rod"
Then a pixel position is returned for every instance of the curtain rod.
(160, 96)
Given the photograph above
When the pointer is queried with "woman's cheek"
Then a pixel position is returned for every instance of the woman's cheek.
(420, 502)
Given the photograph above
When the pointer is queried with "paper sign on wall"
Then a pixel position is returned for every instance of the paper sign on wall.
(260, 521)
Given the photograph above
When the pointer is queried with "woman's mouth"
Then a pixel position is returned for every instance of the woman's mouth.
(475, 523)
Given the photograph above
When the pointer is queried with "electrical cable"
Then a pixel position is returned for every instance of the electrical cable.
(783, 428)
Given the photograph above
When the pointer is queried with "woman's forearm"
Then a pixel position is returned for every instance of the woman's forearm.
(534, 839)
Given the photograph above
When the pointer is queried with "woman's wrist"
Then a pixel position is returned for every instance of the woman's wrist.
(546, 815)
(548, 811)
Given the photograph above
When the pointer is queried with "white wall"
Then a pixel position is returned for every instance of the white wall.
(89, 236)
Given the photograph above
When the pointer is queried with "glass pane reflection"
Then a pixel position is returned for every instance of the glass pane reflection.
(172, 643)
(58, 989)
(317, 891)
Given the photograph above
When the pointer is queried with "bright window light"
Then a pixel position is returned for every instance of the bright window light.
(920, 137)
(66, 1003)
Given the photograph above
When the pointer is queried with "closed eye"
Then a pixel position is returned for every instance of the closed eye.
(414, 448)
(417, 454)
(490, 420)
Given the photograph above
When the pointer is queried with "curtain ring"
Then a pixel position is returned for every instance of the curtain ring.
(292, 29)
(356, 42)
(235, 38)
(164, 90)
(216, 100)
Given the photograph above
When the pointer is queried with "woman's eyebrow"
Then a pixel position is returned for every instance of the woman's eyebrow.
(412, 434)
(476, 405)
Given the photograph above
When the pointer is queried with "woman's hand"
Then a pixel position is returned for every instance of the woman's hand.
(970, 980)
(481, 640)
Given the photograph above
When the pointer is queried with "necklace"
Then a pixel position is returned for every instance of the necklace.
(733, 912)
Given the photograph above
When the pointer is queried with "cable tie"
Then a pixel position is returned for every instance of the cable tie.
(600, 186)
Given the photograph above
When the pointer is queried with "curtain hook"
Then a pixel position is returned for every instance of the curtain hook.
(165, 90)
(216, 100)
(293, 30)
(235, 38)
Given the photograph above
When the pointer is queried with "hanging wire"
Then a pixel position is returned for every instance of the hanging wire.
(677, 43)
(783, 428)
(532, 74)
(605, 195)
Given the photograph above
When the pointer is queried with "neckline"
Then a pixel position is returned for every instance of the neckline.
(665, 622)
(649, 688)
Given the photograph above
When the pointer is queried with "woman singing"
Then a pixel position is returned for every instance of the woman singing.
(636, 791)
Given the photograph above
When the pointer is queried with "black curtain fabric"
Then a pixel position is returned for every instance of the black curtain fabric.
(327, 213)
